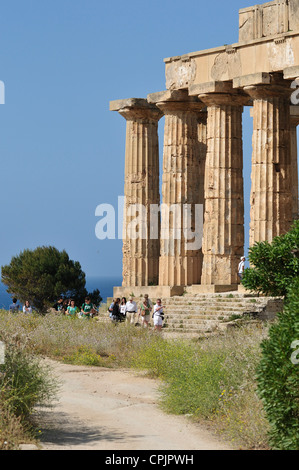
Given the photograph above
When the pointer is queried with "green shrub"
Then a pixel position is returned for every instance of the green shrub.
(86, 356)
(214, 381)
(278, 376)
(193, 378)
(12, 430)
(24, 381)
(274, 266)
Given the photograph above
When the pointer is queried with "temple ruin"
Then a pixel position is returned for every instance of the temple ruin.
(205, 95)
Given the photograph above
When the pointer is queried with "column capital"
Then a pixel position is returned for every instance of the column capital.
(261, 92)
(269, 86)
(136, 109)
(175, 101)
(221, 94)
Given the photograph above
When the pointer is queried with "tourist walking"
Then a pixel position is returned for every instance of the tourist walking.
(58, 305)
(145, 311)
(158, 315)
(14, 307)
(87, 309)
(241, 267)
(123, 307)
(131, 311)
(72, 310)
(114, 310)
(27, 307)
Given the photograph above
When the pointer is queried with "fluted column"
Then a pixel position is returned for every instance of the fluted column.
(271, 192)
(223, 233)
(140, 249)
(294, 166)
(180, 259)
(202, 138)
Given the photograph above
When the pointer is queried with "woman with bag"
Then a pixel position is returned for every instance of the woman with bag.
(145, 311)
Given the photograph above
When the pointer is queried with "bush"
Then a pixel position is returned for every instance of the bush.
(85, 356)
(274, 265)
(12, 431)
(278, 376)
(24, 382)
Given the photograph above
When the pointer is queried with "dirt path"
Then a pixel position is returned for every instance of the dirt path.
(104, 409)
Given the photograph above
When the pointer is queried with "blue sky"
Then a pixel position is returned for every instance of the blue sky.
(61, 149)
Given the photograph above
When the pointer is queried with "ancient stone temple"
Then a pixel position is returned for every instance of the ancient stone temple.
(205, 95)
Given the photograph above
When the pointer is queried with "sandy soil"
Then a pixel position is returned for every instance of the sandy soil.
(105, 409)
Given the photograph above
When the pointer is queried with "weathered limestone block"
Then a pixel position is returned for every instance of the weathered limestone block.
(293, 15)
(268, 19)
(140, 251)
(223, 239)
(271, 192)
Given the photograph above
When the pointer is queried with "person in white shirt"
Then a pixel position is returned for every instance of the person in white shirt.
(131, 310)
(27, 307)
(241, 268)
(123, 307)
(158, 315)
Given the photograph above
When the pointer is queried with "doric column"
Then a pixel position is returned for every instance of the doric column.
(223, 234)
(183, 157)
(140, 249)
(202, 138)
(294, 161)
(271, 192)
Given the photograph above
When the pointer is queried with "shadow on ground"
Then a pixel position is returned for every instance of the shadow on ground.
(58, 430)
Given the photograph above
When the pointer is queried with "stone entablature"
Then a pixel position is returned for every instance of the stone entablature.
(268, 19)
(268, 42)
(203, 151)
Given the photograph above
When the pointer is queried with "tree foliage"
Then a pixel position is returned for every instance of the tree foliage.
(43, 275)
(275, 271)
(274, 266)
(278, 375)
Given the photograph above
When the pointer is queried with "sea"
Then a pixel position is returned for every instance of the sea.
(104, 284)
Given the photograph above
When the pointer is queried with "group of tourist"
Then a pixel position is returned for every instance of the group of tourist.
(120, 309)
(64, 306)
(123, 310)
(68, 307)
(15, 306)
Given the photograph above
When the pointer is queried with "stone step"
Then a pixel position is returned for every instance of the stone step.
(196, 318)
(226, 295)
(211, 311)
(211, 307)
(191, 329)
(192, 315)
(214, 301)
(220, 305)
